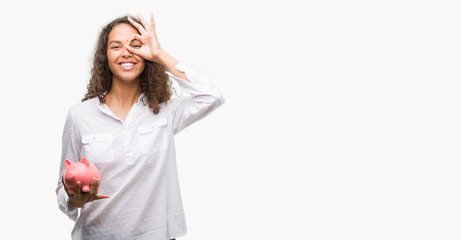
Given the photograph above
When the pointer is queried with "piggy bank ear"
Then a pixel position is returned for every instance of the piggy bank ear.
(85, 161)
(67, 163)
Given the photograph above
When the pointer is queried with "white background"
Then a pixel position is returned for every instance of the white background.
(342, 118)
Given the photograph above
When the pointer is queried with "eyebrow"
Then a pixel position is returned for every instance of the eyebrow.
(117, 41)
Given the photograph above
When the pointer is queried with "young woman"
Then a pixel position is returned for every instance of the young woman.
(125, 126)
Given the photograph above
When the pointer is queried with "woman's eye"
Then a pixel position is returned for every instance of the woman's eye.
(136, 46)
(114, 47)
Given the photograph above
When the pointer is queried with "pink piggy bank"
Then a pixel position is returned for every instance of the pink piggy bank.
(82, 172)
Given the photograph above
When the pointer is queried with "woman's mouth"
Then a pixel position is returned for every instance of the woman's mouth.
(127, 66)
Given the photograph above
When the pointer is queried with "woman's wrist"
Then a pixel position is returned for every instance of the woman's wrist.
(162, 58)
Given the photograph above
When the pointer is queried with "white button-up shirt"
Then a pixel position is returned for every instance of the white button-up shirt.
(137, 162)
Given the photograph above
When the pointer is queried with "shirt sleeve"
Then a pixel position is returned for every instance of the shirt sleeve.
(204, 98)
(71, 146)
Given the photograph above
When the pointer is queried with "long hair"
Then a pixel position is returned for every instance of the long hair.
(155, 83)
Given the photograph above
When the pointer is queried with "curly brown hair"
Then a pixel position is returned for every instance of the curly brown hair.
(155, 83)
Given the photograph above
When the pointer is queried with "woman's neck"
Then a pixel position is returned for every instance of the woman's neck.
(123, 94)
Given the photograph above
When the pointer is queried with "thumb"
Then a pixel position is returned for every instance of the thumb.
(98, 197)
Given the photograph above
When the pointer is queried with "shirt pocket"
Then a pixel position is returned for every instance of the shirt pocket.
(154, 137)
(98, 147)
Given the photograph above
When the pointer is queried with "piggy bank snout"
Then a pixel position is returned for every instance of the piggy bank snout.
(70, 176)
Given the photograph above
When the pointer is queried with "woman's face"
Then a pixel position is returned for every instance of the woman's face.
(124, 65)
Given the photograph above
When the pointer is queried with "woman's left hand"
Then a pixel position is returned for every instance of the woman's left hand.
(150, 49)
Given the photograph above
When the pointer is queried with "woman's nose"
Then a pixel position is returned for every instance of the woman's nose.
(125, 52)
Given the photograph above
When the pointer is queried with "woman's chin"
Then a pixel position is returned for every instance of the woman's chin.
(127, 79)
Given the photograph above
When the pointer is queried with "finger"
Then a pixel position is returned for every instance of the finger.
(144, 23)
(134, 37)
(152, 24)
(94, 186)
(137, 25)
(78, 189)
(131, 49)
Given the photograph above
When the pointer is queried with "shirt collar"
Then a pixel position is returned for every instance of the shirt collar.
(105, 109)
(140, 99)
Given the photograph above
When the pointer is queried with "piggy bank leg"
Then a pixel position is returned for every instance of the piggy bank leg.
(71, 190)
(85, 188)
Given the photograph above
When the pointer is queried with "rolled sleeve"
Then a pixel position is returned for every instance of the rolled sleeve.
(71, 212)
(204, 98)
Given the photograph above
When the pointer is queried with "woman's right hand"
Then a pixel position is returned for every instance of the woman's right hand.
(79, 198)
